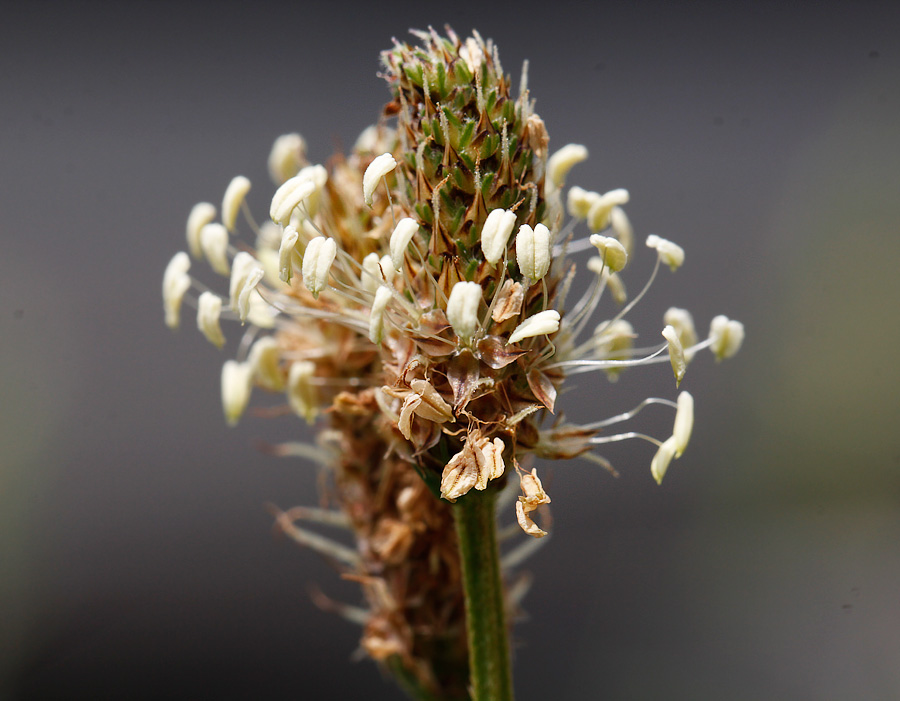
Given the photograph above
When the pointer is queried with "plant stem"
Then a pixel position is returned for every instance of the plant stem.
(489, 667)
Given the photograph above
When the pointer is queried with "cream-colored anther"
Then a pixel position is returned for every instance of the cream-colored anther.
(237, 381)
(611, 251)
(287, 197)
(726, 335)
(599, 214)
(317, 260)
(209, 310)
(621, 226)
(580, 201)
(301, 393)
(545, 322)
(201, 214)
(246, 273)
(533, 251)
(376, 316)
(376, 272)
(561, 162)
(234, 197)
(683, 323)
(287, 156)
(669, 253)
(403, 233)
(176, 283)
(661, 460)
(676, 353)
(265, 359)
(214, 244)
(286, 254)
(495, 234)
(378, 168)
(684, 422)
(462, 309)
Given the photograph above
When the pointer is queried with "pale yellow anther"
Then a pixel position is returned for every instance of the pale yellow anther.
(376, 316)
(287, 156)
(209, 310)
(462, 309)
(403, 233)
(378, 168)
(376, 272)
(533, 251)
(683, 323)
(287, 197)
(676, 353)
(561, 162)
(265, 359)
(301, 391)
(214, 244)
(726, 335)
(613, 280)
(286, 254)
(684, 422)
(598, 217)
(234, 197)
(661, 460)
(669, 253)
(611, 251)
(176, 283)
(237, 381)
(495, 234)
(545, 322)
(201, 214)
(317, 259)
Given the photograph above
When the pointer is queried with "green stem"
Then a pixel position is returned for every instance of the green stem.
(489, 667)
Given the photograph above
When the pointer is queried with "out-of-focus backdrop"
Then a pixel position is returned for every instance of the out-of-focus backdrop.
(136, 557)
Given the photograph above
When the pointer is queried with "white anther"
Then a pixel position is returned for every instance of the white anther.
(209, 310)
(289, 196)
(286, 254)
(236, 385)
(495, 234)
(561, 162)
(676, 353)
(404, 231)
(265, 359)
(376, 316)
(599, 215)
(378, 168)
(669, 253)
(462, 309)
(683, 323)
(684, 422)
(201, 215)
(214, 244)
(661, 460)
(545, 322)
(246, 274)
(580, 201)
(287, 156)
(533, 251)
(726, 335)
(176, 283)
(317, 260)
(234, 196)
(611, 251)
(301, 392)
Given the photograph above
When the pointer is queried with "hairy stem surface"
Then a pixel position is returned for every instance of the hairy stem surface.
(489, 667)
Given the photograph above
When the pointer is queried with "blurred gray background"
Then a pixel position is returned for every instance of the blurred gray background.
(136, 557)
